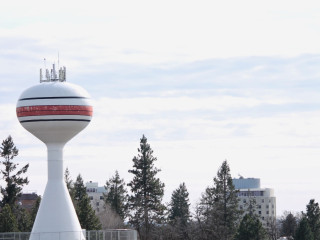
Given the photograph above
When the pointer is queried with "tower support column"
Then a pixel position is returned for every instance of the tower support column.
(56, 218)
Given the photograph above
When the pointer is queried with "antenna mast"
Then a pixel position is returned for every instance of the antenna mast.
(51, 74)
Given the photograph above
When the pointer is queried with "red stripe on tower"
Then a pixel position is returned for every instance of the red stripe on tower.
(54, 110)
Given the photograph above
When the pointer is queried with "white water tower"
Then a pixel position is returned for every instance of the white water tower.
(55, 111)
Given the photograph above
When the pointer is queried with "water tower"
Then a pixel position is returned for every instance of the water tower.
(55, 111)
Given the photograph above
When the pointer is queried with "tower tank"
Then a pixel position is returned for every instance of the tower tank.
(55, 111)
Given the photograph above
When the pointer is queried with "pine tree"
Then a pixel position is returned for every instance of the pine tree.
(69, 184)
(68, 180)
(303, 231)
(12, 177)
(313, 218)
(218, 212)
(8, 222)
(147, 190)
(34, 210)
(179, 213)
(79, 190)
(116, 195)
(288, 225)
(23, 219)
(250, 229)
(179, 205)
(86, 215)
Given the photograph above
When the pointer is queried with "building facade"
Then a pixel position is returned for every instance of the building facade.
(263, 199)
(27, 201)
(96, 195)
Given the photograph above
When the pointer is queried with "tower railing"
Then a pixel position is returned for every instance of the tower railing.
(111, 234)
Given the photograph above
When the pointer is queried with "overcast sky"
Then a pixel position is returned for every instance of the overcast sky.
(205, 81)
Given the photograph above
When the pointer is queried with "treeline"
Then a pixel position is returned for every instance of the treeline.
(13, 218)
(138, 204)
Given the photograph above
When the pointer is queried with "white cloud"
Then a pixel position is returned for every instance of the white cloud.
(152, 105)
(145, 65)
(165, 31)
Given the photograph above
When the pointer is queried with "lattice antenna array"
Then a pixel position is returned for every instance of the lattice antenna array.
(51, 76)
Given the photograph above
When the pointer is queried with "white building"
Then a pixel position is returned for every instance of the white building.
(95, 194)
(249, 188)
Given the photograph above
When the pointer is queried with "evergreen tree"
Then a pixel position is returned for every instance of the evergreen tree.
(313, 217)
(12, 177)
(69, 184)
(86, 215)
(250, 229)
(68, 180)
(179, 205)
(8, 222)
(288, 225)
(34, 210)
(79, 190)
(116, 195)
(218, 212)
(23, 219)
(179, 213)
(303, 231)
(147, 190)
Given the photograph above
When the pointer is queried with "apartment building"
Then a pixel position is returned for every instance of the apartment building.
(265, 200)
(96, 195)
(27, 200)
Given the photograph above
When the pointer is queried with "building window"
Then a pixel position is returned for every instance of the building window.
(260, 212)
(101, 197)
(244, 201)
(91, 190)
(262, 200)
(91, 197)
(268, 212)
(259, 206)
(97, 203)
(267, 206)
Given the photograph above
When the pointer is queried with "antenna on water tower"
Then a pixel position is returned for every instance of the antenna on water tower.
(51, 74)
